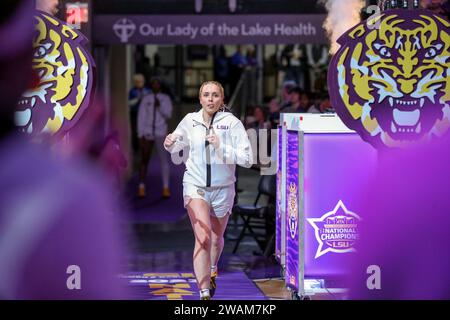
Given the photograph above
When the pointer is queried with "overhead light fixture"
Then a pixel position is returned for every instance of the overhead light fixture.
(232, 4)
(198, 5)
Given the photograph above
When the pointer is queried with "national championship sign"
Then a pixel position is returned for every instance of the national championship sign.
(390, 79)
(66, 79)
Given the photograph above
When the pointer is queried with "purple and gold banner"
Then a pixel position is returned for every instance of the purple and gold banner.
(210, 29)
(292, 210)
(279, 204)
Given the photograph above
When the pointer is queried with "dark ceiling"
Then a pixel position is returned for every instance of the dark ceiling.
(208, 7)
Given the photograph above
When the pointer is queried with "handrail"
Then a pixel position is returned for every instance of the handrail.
(244, 95)
(236, 91)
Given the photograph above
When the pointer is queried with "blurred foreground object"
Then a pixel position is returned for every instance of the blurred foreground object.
(405, 227)
(55, 213)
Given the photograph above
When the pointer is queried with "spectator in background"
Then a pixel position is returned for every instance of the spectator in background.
(222, 69)
(259, 119)
(154, 112)
(57, 215)
(325, 105)
(135, 96)
(274, 113)
(300, 102)
(238, 64)
(286, 95)
(322, 103)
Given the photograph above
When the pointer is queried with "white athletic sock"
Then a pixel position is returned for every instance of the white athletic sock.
(204, 293)
(213, 269)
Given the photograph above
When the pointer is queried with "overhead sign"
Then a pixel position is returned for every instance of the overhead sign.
(210, 29)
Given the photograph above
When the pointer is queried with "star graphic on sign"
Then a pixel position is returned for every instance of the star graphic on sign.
(339, 212)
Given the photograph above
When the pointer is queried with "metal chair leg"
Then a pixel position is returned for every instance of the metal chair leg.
(241, 235)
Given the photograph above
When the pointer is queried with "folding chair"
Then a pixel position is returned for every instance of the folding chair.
(257, 217)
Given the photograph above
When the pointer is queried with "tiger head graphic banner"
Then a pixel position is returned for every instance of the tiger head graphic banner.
(390, 79)
(66, 73)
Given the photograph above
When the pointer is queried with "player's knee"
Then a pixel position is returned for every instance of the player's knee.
(204, 240)
(216, 242)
